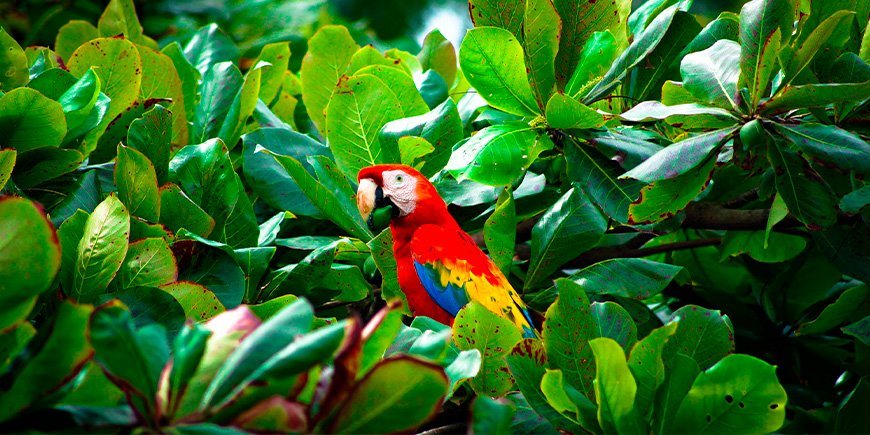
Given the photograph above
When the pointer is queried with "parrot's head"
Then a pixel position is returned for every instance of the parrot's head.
(405, 191)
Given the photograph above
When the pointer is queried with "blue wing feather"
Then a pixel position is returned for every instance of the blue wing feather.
(450, 298)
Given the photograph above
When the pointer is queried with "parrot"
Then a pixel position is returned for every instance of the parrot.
(439, 266)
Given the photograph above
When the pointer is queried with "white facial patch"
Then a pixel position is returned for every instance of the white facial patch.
(401, 188)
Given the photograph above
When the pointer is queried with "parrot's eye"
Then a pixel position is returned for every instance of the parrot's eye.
(400, 179)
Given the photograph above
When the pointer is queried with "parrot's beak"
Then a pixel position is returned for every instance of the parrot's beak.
(369, 198)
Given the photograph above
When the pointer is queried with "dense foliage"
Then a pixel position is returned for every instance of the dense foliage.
(180, 248)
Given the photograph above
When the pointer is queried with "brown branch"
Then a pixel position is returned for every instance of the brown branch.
(600, 254)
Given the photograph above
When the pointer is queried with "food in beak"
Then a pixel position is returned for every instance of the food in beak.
(365, 197)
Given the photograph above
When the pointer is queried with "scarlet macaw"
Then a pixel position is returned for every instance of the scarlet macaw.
(440, 267)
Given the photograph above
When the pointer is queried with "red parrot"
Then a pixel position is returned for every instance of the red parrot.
(440, 267)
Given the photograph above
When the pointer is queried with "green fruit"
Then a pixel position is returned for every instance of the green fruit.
(752, 134)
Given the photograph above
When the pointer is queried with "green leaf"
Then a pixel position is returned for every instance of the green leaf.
(493, 62)
(188, 75)
(646, 81)
(7, 162)
(765, 26)
(161, 81)
(119, 18)
(382, 254)
(725, 26)
(704, 335)
(599, 52)
(328, 56)
(264, 342)
(711, 75)
(847, 304)
(565, 398)
(663, 199)
(402, 85)
(413, 150)
(567, 329)
(30, 120)
(829, 143)
(634, 278)
(499, 231)
(815, 42)
(860, 330)
(686, 116)
(398, 394)
(149, 263)
(491, 415)
(278, 55)
(208, 47)
(43, 164)
(442, 127)
(72, 35)
(646, 364)
(681, 157)
(815, 95)
(644, 13)
(855, 201)
(640, 48)
(680, 374)
(358, 110)
(498, 13)
(55, 358)
(564, 112)
(527, 362)
(580, 20)
(851, 412)
(542, 29)
(29, 257)
(802, 189)
(568, 228)
(198, 302)
(118, 64)
(152, 135)
(137, 184)
(478, 328)
(241, 108)
(220, 85)
(13, 64)
(781, 247)
(79, 101)
(497, 155)
(615, 388)
(101, 250)
(598, 177)
(741, 392)
(438, 54)
(614, 322)
(134, 358)
(178, 211)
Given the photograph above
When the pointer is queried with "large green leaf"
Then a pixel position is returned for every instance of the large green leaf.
(54, 360)
(133, 358)
(499, 231)
(599, 52)
(278, 55)
(438, 54)
(491, 415)
(615, 388)
(101, 250)
(807, 195)
(493, 62)
(441, 127)
(568, 228)
(725, 26)
(685, 116)
(704, 335)
(663, 199)
(208, 47)
(13, 63)
(780, 247)
(646, 364)
(198, 302)
(241, 108)
(359, 108)
(816, 41)
(187, 73)
(72, 35)
(829, 143)
(564, 112)
(478, 328)
(598, 177)
(845, 307)
(119, 18)
(542, 29)
(567, 329)
(381, 247)
(268, 339)
(765, 26)
(640, 48)
(178, 211)
(680, 374)
(626, 277)
(679, 158)
(402, 85)
(30, 120)
(644, 13)
(220, 85)
(740, 393)
(7, 162)
(160, 80)
(815, 95)
(149, 262)
(328, 56)
(506, 14)
(614, 322)
(398, 394)
(664, 62)
(137, 184)
(30, 257)
(498, 155)
(43, 164)
(152, 135)
(711, 75)
(580, 19)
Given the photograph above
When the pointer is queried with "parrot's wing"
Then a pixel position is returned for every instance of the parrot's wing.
(454, 271)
